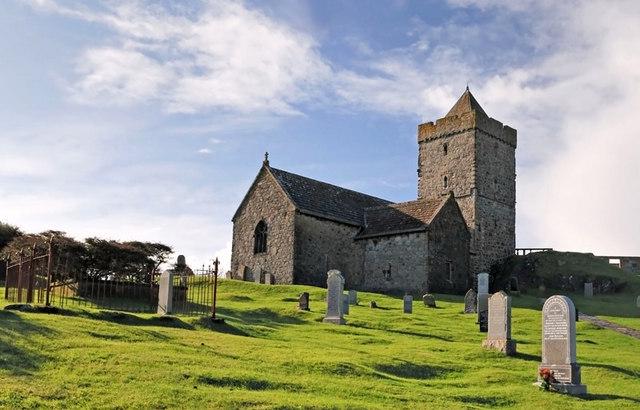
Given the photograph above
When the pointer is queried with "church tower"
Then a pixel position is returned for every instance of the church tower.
(473, 156)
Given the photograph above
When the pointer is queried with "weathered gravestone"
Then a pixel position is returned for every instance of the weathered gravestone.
(373, 304)
(470, 301)
(483, 301)
(165, 293)
(345, 303)
(268, 278)
(588, 290)
(499, 335)
(303, 301)
(559, 345)
(257, 275)
(638, 301)
(429, 300)
(408, 303)
(353, 297)
(335, 287)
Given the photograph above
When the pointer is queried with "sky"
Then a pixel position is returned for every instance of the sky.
(149, 120)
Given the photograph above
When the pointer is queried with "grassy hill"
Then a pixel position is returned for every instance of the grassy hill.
(270, 355)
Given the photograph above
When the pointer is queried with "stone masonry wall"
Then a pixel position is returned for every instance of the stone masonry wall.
(396, 263)
(448, 242)
(266, 201)
(322, 245)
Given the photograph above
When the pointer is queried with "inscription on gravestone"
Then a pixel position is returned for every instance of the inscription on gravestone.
(559, 344)
(499, 328)
(470, 301)
(335, 288)
(408, 303)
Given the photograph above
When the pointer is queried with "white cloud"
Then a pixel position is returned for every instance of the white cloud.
(204, 151)
(223, 57)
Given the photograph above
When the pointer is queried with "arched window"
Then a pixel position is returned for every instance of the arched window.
(445, 148)
(260, 238)
(446, 182)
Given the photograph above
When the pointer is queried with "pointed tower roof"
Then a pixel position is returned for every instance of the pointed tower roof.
(465, 104)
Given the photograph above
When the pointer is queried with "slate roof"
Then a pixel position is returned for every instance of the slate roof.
(466, 103)
(325, 200)
(390, 219)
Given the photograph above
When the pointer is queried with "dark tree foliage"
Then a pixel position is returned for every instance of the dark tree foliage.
(7, 234)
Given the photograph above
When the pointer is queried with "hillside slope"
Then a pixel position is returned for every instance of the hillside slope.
(270, 355)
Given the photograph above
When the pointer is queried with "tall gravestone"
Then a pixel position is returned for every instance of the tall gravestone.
(499, 329)
(303, 301)
(483, 301)
(165, 293)
(470, 301)
(268, 278)
(257, 275)
(559, 345)
(353, 297)
(408, 303)
(345, 303)
(335, 287)
(588, 290)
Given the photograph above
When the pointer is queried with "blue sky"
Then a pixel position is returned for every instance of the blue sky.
(149, 120)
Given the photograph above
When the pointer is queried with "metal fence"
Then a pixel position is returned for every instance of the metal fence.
(49, 279)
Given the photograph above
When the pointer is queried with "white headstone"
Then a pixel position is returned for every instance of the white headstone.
(559, 344)
(335, 287)
(353, 297)
(470, 301)
(588, 290)
(165, 293)
(268, 278)
(345, 303)
(408, 303)
(483, 283)
(499, 329)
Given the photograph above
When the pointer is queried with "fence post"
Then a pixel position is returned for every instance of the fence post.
(6, 280)
(20, 276)
(49, 267)
(165, 293)
(32, 275)
(216, 264)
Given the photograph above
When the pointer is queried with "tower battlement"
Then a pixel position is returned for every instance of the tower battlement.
(473, 120)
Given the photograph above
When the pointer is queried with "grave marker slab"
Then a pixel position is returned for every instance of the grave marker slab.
(165, 293)
(408, 303)
(588, 290)
(483, 311)
(303, 301)
(268, 278)
(345, 303)
(638, 301)
(353, 297)
(335, 288)
(257, 275)
(483, 283)
(429, 300)
(470, 301)
(499, 329)
(559, 345)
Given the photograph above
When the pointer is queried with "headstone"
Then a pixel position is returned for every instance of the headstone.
(483, 311)
(408, 303)
(559, 345)
(483, 283)
(429, 300)
(353, 297)
(268, 278)
(165, 293)
(228, 275)
(345, 303)
(482, 306)
(335, 287)
(638, 301)
(470, 301)
(303, 301)
(373, 304)
(182, 261)
(514, 287)
(588, 290)
(499, 329)
(257, 275)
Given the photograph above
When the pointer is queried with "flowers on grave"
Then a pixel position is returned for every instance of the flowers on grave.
(547, 377)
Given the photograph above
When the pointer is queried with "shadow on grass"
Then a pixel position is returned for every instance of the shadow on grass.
(401, 332)
(262, 316)
(246, 383)
(14, 330)
(593, 397)
(528, 357)
(408, 370)
(492, 401)
(612, 368)
(224, 327)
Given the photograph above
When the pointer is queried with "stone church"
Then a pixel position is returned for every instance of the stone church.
(293, 229)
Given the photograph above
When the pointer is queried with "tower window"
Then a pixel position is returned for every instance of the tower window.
(260, 238)
(445, 148)
(445, 182)
(449, 266)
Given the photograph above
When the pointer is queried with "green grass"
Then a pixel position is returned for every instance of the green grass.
(270, 355)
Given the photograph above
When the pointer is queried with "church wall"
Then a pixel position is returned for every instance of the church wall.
(449, 242)
(322, 245)
(266, 201)
(495, 231)
(396, 263)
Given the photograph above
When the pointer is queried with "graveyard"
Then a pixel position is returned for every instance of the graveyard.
(268, 353)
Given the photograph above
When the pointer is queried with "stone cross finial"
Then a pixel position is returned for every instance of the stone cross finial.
(266, 158)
